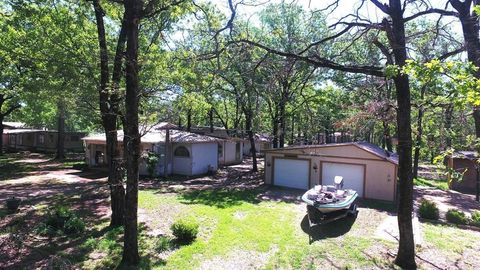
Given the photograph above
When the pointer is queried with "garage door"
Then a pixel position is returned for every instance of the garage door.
(291, 173)
(352, 175)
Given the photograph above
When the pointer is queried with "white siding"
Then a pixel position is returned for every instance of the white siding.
(230, 154)
(353, 175)
(203, 156)
(182, 165)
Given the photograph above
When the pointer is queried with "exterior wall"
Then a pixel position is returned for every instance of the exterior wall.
(32, 141)
(468, 184)
(379, 178)
(182, 165)
(229, 155)
(204, 156)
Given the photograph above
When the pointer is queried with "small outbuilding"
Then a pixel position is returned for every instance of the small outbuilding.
(182, 153)
(41, 140)
(365, 167)
(262, 143)
(462, 173)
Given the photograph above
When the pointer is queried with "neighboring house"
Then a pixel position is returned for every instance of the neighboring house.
(466, 163)
(8, 126)
(230, 148)
(262, 143)
(41, 140)
(186, 153)
(365, 167)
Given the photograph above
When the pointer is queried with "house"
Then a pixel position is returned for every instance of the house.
(466, 163)
(10, 125)
(185, 153)
(262, 143)
(41, 140)
(230, 148)
(365, 167)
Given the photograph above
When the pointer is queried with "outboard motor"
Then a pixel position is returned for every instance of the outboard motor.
(338, 181)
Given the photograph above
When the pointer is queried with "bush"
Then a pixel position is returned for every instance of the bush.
(185, 230)
(59, 220)
(428, 210)
(476, 218)
(457, 217)
(162, 244)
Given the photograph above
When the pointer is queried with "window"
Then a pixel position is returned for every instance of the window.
(51, 137)
(181, 151)
(20, 139)
(41, 139)
(220, 149)
(74, 138)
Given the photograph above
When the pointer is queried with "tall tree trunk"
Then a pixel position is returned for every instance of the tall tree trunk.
(282, 128)
(275, 131)
(396, 34)
(292, 135)
(387, 137)
(108, 110)
(248, 126)
(418, 138)
(61, 130)
(470, 28)
(133, 9)
(1, 134)
(210, 119)
(189, 120)
(448, 125)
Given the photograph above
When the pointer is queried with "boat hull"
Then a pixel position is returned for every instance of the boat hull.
(331, 207)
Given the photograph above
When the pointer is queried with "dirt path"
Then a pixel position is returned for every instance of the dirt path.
(446, 199)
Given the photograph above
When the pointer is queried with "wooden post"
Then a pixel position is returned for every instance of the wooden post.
(165, 157)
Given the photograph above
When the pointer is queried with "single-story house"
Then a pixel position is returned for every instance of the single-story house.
(262, 143)
(41, 140)
(466, 163)
(8, 126)
(365, 167)
(185, 153)
(230, 148)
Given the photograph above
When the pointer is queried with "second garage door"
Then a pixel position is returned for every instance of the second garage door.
(353, 175)
(291, 173)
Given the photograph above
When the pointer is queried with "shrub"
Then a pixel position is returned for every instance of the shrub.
(428, 210)
(456, 217)
(185, 230)
(59, 220)
(162, 244)
(476, 218)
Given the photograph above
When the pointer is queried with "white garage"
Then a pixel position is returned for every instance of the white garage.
(365, 167)
(292, 173)
(353, 175)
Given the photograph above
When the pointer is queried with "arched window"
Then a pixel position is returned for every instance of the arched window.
(181, 151)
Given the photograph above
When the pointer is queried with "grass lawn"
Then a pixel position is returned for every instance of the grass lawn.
(436, 183)
(239, 232)
(239, 228)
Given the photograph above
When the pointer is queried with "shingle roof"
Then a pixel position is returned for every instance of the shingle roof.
(158, 136)
(369, 147)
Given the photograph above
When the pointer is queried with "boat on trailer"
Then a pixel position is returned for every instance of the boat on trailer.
(326, 203)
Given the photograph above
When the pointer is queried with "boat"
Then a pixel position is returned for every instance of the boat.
(326, 203)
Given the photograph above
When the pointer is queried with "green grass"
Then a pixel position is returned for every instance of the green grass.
(235, 226)
(449, 238)
(436, 183)
(10, 169)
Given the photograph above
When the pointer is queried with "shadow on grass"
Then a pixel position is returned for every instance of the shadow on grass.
(441, 184)
(330, 230)
(221, 198)
(385, 206)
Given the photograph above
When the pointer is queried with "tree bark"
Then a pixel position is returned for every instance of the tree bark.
(418, 138)
(210, 119)
(133, 9)
(275, 131)
(1, 134)
(189, 120)
(448, 125)
(108, 110)
(61, 131)
(248, 126)
(470, 28)
(396, 35)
